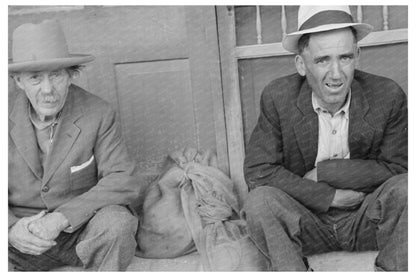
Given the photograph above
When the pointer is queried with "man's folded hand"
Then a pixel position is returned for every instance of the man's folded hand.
(346, 198)
(49, 226)
(312, 175)
(26, 242)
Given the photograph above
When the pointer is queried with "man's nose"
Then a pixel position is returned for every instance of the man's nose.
(46, 85)
(335, 70)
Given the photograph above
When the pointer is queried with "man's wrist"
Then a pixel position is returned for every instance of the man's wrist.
(335, 199)
(63, 221)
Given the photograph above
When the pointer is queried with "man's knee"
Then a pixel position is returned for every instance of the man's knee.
(108, 241)
(115, 221)
(396, 188)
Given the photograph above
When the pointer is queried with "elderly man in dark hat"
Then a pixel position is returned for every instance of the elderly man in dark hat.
(70, 176)
(327, 160)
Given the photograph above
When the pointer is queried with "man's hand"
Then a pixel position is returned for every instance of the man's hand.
(346, 198)
(23, 240)
(312, 175)
(49, 226)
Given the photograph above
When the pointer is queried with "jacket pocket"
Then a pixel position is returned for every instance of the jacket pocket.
(84, 177)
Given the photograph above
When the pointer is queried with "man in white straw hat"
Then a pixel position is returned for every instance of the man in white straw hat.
(70, 176)
(327, 160)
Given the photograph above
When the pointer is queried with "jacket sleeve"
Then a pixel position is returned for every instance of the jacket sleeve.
(12, 218)
(115, 169)
(263, 164)
(390, 159)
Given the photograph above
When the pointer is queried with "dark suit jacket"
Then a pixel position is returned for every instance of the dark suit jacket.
(88, 166)
(284, 143)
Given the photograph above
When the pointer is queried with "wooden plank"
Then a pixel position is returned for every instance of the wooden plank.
(23, 10)
(385, 37)
(232, 101)
(206, 79)
(260, 51)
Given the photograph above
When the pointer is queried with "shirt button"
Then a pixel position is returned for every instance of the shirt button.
(45, 189)
(334, 132)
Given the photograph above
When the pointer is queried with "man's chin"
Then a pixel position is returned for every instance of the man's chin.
(48, 112)
(336, 97)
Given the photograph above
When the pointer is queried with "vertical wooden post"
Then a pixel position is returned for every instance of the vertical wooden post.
(232, 99)
(385, 18)
(284, 21)
(360, 14)
(258, 26)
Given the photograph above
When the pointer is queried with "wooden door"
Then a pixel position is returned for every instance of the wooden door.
(157, 65)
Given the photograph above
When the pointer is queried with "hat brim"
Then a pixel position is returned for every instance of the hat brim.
(51, 64)
(290, 41)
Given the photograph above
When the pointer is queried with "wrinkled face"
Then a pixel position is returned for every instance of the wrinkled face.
(329, 62)
(46, 90)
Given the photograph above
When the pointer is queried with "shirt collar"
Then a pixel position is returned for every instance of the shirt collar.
(344, 109)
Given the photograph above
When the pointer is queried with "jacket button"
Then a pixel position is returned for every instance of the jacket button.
(45, 188)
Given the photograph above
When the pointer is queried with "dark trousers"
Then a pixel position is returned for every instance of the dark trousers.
(106, 243)
(286, 231)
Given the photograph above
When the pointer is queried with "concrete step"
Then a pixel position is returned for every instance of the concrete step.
(332, 261)
(343, 261)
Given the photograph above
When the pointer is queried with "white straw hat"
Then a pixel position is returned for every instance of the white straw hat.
(313, 19)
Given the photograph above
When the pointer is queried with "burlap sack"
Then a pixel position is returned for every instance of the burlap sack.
(163, 231)
(194, 204)
(211, 211)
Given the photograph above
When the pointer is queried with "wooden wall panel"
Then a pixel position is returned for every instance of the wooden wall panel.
(156, 109)
(254, 75)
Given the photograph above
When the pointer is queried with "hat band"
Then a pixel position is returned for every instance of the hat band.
(326, 17)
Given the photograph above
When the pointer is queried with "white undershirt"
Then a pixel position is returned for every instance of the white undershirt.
(333, 131)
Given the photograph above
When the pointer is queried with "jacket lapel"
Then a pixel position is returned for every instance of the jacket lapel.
(66, 135)
(360, 132)
(23, 135)
(306, 130)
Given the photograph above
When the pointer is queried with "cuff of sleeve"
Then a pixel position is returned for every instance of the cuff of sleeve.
(12, 220)
(76, 220)
(325, 199)
(319, 172)
(324, 170)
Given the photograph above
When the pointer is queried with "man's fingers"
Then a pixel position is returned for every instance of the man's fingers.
(34, 227)
(33, 247)
(33, 250)
(39, 242)
(36, 216)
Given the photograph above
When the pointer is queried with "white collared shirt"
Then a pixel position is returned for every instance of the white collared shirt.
(333, 131)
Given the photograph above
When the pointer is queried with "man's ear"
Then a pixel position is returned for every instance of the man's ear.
(300, 65)
(18, 81)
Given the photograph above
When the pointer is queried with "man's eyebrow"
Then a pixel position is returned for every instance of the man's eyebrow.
(320, 58)
(325, 57)
(349, 55)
